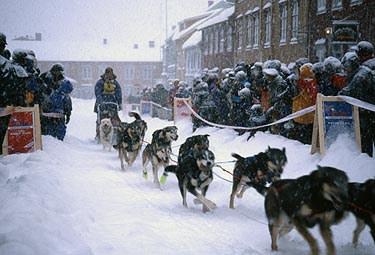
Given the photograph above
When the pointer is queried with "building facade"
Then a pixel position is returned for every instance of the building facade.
(266, 29)
(336, 25)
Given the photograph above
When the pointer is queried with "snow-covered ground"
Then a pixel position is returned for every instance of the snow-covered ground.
(72, 198)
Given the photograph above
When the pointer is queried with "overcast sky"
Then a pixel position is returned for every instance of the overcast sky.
(133, 21)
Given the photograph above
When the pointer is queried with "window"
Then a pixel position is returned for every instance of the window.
(216, 41)
(205, 40)
(129, 73)
(239, 33)
(147, 73)
(336, 4)
(249, 31)
(256, 29)
(229, 37)
(321, 6)
(86, 73)
(212, 41)
(283, 23)
(267, 25)
(295, 20)
(354, 2)
(221, 39)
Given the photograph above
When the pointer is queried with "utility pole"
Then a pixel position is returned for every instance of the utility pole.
(165, 68)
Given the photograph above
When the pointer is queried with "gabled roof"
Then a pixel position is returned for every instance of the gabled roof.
(193, 40)
(221, 17)
(193, 27)
(88, 51)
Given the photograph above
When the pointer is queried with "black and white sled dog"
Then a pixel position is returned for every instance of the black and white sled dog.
(318, 198)
(106, 133)
(159, 150)
(194, 170)
(130, 139)
(362, 205)
(256, 171)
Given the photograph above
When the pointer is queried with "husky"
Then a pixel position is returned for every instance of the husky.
(158, 151)
(106, 133)
(130, 139)
(318, 198)
(194, 175)
(256, 171)
(362, 205)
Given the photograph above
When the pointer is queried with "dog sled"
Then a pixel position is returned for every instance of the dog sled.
(107, 110)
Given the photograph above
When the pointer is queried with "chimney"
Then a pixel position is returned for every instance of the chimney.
(105, 41)
(210, 2)
(38, 36)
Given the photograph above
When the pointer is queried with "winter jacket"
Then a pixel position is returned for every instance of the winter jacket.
(362, 85)
(107, 92)
(308, 89)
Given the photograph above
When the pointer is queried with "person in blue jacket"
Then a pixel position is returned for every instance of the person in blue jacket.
(108, 98)
(57, 106)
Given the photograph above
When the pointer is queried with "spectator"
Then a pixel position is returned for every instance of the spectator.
(362, 87)
(57, 106)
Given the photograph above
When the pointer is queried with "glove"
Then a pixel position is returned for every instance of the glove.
(67, 119)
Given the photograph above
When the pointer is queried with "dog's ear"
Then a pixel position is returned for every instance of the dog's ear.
(268, 148)
(284, 150)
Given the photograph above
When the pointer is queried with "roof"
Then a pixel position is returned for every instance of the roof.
(193, 27)
(221, 17)
(193, 40)
(88, 51)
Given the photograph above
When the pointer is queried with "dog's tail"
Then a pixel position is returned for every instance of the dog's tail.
(235, 155)
(135, 115)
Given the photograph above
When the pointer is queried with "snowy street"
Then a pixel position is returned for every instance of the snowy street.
(73, 198)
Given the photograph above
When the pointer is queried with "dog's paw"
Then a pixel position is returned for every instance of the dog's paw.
(211, 205)
(145, 176)
(197, 201)
(163, 179)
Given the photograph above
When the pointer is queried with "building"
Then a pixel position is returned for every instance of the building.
(175, 47)
(266, 29)
(217, 45)
(136, 68)
(336, 25)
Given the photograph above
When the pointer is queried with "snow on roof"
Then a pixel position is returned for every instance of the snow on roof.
(193, 27)
(267, 5)
(88, 51)
(282, 1)
(194, 40)
(255, 9)
(221, 17)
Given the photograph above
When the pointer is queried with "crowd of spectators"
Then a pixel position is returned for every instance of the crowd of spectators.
(23, 85)
(255, 94)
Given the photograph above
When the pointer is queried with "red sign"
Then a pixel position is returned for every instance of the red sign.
(21, 133)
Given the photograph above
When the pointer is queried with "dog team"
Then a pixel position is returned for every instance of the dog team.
(321, 198)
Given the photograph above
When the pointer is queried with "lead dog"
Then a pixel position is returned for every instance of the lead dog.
(158, 152)
(318, 198)
(256, 171)
(362, 205)
(106, 133)
(194, 175)
(130, 139)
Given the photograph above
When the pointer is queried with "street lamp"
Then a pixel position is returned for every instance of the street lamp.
(328, 33)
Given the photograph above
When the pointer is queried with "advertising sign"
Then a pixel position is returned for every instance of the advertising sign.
(181, 111)
(146, 107)
(345, 32)
(23, 133)
(332, 118)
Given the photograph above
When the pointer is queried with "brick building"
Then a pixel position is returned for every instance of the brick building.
(266, 29)
(336, 25)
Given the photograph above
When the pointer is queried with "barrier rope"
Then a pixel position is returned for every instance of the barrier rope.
(349, 100)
